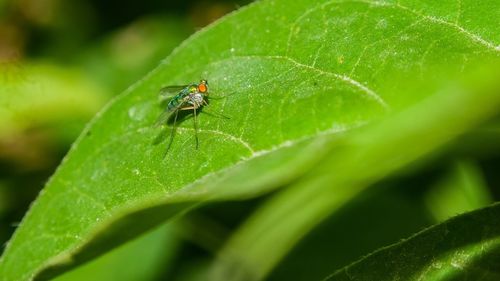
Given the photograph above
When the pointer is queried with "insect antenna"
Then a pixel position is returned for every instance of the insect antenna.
(216, 115)
(221, 97)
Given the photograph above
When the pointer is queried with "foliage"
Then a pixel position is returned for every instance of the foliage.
(325, 99)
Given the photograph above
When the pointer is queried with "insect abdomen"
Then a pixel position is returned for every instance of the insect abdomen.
(177, 100)
(173, 104)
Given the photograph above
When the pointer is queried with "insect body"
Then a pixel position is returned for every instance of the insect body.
(188, 97)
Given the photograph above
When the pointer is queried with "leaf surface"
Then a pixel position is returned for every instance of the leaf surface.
(351, 165)
(465, 247)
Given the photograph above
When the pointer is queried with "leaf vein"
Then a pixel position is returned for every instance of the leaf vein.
(369, 92)
(472, 36)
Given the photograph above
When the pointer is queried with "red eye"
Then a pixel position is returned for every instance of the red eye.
(202, 88)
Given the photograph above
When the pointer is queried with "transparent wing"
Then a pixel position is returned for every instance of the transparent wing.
(163, 118)
(169, 92)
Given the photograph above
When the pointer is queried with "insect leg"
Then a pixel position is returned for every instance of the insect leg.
(172, 131)
(217, 98)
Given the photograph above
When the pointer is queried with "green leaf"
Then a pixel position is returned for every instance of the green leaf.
(350, 166)
(42, 105)
(296, 75)
(154, 249)
(465, 247)
(41, 95)
(464, 189)
(110, 61)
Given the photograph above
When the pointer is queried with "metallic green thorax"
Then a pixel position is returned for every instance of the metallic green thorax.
(181, 97)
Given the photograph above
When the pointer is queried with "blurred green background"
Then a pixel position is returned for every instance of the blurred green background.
(60, 62)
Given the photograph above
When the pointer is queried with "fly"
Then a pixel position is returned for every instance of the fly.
(187, 97)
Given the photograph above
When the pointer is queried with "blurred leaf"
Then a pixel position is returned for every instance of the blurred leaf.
(361, 159)
(298, 75)
(42, 107)
(482, 142)
(41, 95)
(466, 247)
(115, 66)
(342, 238)
(462, 190)
(139, 260)
(4, 203)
